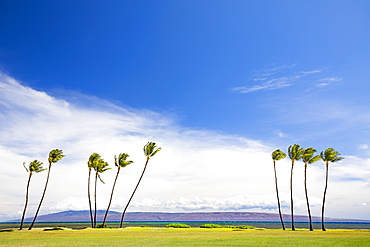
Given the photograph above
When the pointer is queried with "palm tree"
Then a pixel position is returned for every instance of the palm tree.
(295, 152)
(54, 156)
(34, 166)
(329, 155)
(91, 163)
(309, 157)
(120, 162)
(278, 155)
(100, 167)
(149, 151)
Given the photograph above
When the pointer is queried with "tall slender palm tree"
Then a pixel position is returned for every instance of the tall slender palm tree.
(91, 163)
(150, 149)
(278, 155)
(309, 157)
(295, 152)
(329, 155)
(54, 156)
(121, 161)
(34, 166)
(100, 167)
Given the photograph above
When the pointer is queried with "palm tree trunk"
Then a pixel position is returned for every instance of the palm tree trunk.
(42, 198)
(291, 196)
(96, 178)
(88, 195)
(111, 197)
(26, 203)
(128, 203)
(308, 205)
(278, 200)
(323, 202)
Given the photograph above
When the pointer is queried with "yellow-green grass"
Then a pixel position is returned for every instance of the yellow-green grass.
(136, 236)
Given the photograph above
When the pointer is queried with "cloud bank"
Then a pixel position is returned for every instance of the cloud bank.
(197, 170)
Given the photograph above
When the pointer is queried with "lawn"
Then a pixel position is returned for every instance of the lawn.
(158, 236)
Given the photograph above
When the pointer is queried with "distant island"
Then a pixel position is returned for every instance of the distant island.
(83, 216)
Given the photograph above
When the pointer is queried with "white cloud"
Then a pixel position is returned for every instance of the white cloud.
(196, 169)
(280, 134)
(268, 80)
(331, 79)
(363, 146)
(282, 77)
(274, 68)
(271, 84)
(324, 82)
(312, 71)
(184, 204)
(33, 123)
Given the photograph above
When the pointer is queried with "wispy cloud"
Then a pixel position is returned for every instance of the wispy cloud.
(324, 82)
(363, 146)
(267, 84)
(283, 76)
(280, 134)
(331, 79)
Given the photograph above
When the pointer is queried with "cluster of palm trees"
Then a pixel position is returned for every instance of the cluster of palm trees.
(36, 167)
(308, 156)
(97, 164)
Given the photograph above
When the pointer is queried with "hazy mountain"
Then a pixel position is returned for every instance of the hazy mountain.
(84, 216)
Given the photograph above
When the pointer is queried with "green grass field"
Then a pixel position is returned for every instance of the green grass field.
(159, 236)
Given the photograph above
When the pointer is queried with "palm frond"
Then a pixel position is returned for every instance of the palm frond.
(101, 180)
(295, 152)
(24, 165)
(308, 151)
(278, 155)
(308, 156)
(149, 149)
(121, 160)
(93, 159)
(330, 155)
(36, 166)
(101, 166)
(156, 151)
(55, 155)
(314, 159)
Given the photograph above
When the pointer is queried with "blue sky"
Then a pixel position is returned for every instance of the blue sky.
(239, 76)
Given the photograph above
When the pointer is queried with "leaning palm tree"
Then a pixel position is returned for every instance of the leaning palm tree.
(149, 151)
(119, 162)
(295, 152)
(309, 157)
(34, 166)
(54, 156)
(100, 167)
(278, 155)
(91, 163)
(329, 155)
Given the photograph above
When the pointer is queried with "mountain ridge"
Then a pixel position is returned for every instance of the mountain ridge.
(113, 216)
